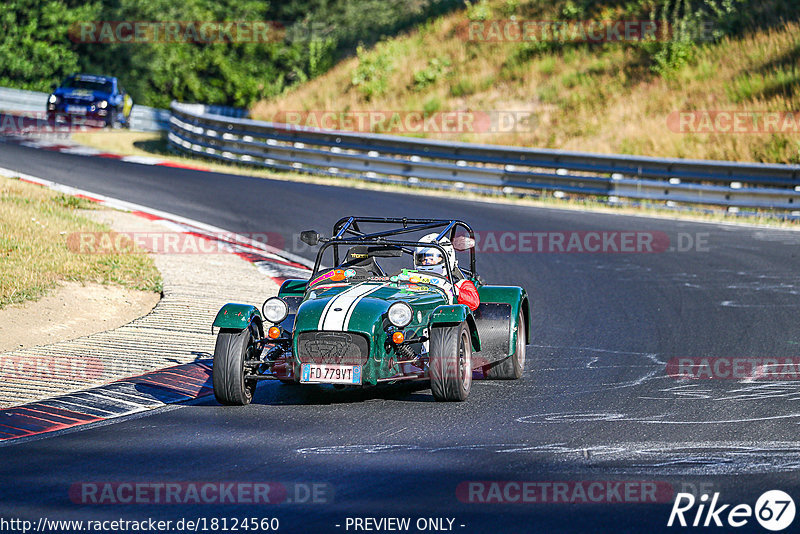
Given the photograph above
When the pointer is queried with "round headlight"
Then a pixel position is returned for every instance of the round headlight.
(275, 310)
(400, 314)
(103, 104)
(53, 99)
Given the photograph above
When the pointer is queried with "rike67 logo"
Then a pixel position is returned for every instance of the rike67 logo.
(774, 510)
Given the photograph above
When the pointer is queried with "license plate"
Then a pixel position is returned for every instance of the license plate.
(77, 110)
(326, 373)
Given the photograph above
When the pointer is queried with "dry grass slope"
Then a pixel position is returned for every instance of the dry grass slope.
(597, 98)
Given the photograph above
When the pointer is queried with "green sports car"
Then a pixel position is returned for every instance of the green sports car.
(355, 324)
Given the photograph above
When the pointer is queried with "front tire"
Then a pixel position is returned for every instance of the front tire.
(450, 363)
(227, 374)
(513, 366)
(112, 121)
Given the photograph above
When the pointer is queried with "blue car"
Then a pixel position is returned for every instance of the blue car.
(91, 98)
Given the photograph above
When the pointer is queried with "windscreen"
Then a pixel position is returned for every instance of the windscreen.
(90, 84)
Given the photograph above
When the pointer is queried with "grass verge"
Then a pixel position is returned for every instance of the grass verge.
(35, 256)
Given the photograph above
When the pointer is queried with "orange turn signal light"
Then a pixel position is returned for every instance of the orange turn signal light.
(398, 337)
(274, 332)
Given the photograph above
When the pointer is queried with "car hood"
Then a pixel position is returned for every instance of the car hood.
(82, 94)
(362, 307)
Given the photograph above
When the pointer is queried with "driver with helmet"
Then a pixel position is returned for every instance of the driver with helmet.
(431, 260)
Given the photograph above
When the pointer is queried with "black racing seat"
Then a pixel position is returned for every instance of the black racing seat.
(358, 256)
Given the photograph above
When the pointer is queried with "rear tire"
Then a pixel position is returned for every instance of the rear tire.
(227, 374)
(450, 363)
(513, 366)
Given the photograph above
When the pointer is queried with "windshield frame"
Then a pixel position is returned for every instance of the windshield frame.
(407, 247)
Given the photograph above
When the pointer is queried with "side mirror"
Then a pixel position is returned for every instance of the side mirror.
(310, 237)
(462, 243)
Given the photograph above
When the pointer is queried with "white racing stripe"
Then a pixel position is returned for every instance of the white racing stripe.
(346, 322)
(329, 305)
(337, 313)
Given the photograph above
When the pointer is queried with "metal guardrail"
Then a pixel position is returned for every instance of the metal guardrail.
(19, 100)
(196, 130)
(143, 118)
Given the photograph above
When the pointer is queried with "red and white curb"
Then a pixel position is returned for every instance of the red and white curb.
(120, 398)
(177, 384)
(65, 146)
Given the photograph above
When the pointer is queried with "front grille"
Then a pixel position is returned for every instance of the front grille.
(332, 347)
(78, 101)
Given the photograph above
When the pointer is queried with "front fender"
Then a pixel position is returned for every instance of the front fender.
(237, 316)
(456, 314)
(517, 299)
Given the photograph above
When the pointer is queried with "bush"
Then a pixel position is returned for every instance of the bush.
(463, 87)
(480, 10)
(35, 50)
(371, 74)
(429, 75)
(432, 105)
(690, 23)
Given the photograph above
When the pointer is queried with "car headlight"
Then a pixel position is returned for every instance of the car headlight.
(400, 314)
(53, 99)
(103, 104)
(275, 309)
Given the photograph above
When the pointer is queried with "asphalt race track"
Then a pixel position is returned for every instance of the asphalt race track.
(596, 403)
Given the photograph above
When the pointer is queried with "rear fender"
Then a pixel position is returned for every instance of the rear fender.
(456, 314)
(498, 322)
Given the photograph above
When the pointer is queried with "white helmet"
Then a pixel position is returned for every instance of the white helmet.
(429, 259)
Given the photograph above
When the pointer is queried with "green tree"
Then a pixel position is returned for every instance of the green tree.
(35, 49)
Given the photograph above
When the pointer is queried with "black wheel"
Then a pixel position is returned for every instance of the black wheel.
(512, 367)
(227, 374)
(112, 121)
(450, 363)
